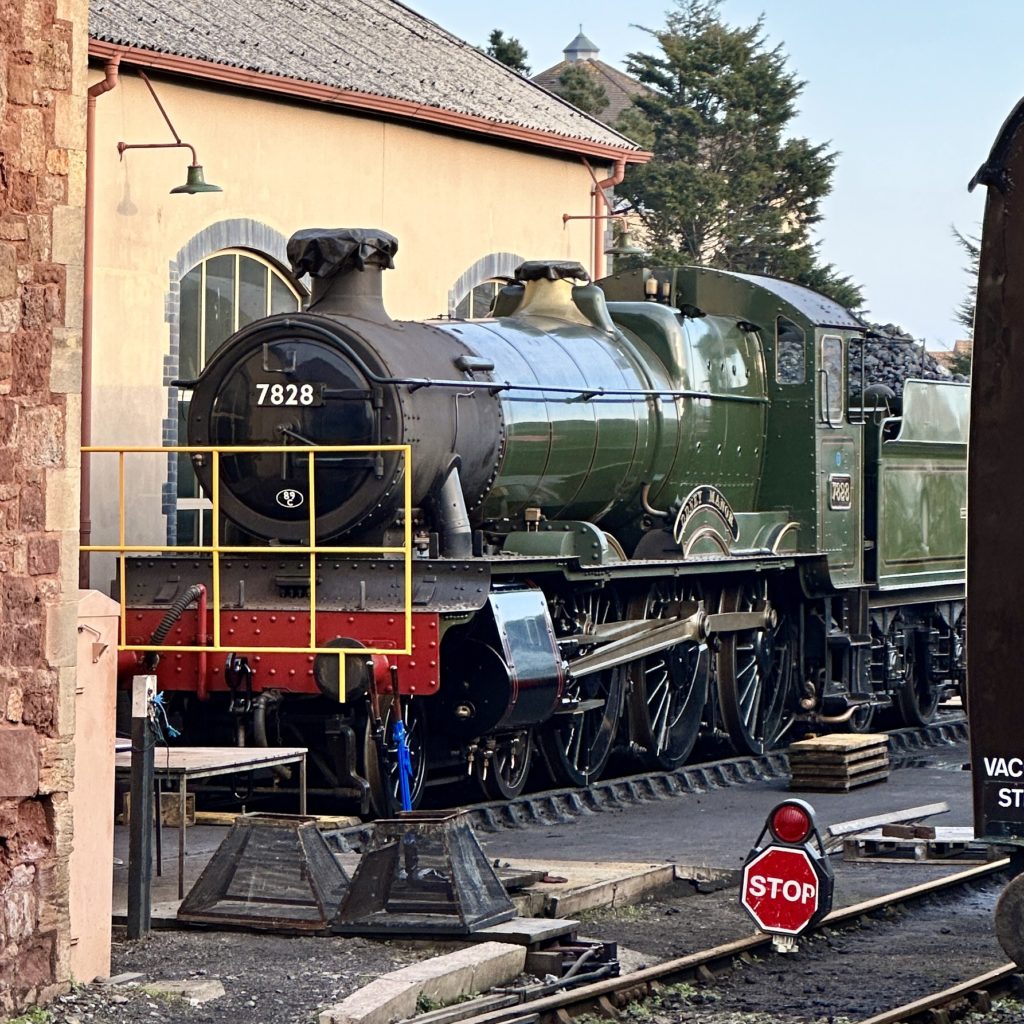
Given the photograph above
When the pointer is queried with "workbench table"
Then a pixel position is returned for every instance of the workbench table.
(179, 764)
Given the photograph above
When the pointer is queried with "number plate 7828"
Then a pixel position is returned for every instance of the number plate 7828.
(289, 394)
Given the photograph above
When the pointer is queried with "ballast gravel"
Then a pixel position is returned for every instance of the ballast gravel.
(267, 979)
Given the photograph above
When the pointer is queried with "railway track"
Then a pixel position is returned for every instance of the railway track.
(972, 996)
(559, 806)
(610, 995)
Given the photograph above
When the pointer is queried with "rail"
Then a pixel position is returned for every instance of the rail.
(216, 550)
(606, 996)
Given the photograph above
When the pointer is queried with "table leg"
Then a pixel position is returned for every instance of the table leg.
(182, 805)
(159, 831)
(302, 785)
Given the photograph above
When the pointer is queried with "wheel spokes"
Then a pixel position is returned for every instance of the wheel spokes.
(755, 671)
(669, 687)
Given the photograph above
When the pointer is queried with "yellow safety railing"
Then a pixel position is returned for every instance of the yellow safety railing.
(216, 550)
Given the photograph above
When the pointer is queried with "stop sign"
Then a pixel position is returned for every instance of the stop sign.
(780, 889)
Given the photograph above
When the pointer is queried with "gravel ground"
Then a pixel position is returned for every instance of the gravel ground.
(267, 979)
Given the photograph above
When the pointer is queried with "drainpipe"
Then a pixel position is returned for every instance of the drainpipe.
(602, 210)
(107, 83)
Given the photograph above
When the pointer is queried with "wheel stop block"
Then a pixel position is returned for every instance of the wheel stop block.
(271, 872)
(423, 873)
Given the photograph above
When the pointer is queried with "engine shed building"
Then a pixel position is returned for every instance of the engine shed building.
(330, 114)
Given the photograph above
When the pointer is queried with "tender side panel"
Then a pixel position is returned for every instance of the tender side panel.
(922, 490)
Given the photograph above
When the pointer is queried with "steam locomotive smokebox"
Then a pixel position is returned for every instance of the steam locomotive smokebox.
(423, 873)
(272, 872)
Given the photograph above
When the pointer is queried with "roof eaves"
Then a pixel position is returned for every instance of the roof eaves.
(233, 75)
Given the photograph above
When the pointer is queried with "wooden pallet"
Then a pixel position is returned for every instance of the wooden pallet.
(950, 842)
(838, 763)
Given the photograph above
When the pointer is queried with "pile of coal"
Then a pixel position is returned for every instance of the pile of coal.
(891, 358)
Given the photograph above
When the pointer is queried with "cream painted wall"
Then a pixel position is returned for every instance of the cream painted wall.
(449, 200)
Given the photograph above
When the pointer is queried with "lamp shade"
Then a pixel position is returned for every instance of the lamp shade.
(195, 182)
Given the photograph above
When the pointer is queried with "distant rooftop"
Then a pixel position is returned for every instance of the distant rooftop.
(378, 48)
(618, 86)
(581, 48)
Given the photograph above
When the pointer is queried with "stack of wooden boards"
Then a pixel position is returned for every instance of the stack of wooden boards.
(838, 762)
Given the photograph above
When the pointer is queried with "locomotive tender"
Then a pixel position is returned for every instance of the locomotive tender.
(641, 509)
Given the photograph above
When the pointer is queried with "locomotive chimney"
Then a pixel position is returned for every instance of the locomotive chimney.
(549, 289)
(345, 267)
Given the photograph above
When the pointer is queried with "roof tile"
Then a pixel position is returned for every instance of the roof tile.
(377, 47)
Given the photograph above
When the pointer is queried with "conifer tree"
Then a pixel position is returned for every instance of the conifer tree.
(509, 51)
(582, 89)
(727, 186)
(965, 311)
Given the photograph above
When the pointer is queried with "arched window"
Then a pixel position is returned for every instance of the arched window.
(470, 297)
(477, 302)
(219, 295)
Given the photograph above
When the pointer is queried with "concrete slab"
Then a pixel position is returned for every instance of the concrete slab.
(194, 991)
(581, 886)
(442, 979)
(528, 931)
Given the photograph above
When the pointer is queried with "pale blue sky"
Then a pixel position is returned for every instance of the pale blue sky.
(910, 92)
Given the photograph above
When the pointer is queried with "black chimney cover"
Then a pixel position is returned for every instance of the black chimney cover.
(551, 270)
(324, 252)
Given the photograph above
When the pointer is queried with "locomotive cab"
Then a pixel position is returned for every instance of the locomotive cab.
(812, 459)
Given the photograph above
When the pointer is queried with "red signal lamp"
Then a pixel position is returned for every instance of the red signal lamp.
(791, 822)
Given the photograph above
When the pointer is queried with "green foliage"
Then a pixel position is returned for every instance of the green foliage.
(964, 313)
(509, 51)
(424, 1003)
(726, 188)
(633, 123)
(37, 1015)
(582, 89)
(960, 362)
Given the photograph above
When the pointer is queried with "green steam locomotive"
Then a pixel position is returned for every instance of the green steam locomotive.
(642, 511)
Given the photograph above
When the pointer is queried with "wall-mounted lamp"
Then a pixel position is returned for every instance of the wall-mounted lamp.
(623, 245)
(195, 181)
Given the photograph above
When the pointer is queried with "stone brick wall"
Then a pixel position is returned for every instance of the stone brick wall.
(43, 53)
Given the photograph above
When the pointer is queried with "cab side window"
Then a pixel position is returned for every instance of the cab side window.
(831, 374)
(790, 358)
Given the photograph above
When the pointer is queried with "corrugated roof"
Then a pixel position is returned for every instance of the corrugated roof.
(376, 47)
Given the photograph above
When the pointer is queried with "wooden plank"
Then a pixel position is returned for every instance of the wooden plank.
(323, 821)
(833, 757)
(844, 785)
(908, 831)
(834, 833)
(839, 770)
(193, 759)
(943, 834)
(839, 742)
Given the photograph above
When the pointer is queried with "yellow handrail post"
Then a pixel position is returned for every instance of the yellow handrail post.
(215, 538)
(312, 550)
